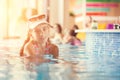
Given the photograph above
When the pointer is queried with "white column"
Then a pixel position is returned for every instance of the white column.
(3, 17)
(84, 13)
(53, 13)
(66, 14)
(59, 13)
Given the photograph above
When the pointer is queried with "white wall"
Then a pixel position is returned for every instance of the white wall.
(59, 13)
(3, 21)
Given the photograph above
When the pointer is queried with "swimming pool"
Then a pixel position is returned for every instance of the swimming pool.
(75, 63)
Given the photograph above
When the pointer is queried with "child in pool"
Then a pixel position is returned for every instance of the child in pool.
(38, 43)
(58, 35)
(72, 39)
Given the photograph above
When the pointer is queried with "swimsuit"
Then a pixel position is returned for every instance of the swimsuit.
(47, 54)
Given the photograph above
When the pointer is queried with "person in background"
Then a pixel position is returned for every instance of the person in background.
(89, 21)
(72, 39)
(94, 24)
(37, 44)
(58, 35)
(79, 35)
(75, 27)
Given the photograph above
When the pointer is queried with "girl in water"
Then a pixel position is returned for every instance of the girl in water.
(38, 44)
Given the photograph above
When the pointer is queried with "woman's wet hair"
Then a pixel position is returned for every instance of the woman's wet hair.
(72, 32)
(59, 28)
(75, 26)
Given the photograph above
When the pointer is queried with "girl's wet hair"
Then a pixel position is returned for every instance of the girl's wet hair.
(75, 26)
(72, 32)
(22, 48)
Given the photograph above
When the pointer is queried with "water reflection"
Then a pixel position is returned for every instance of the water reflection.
(73, 64)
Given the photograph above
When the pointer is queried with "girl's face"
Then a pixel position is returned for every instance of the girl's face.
(41, 32)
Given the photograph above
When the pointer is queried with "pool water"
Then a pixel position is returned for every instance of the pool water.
(75, 63)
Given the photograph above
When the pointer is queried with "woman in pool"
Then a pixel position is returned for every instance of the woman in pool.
(58, 35)
(72, 39)
(38, 44)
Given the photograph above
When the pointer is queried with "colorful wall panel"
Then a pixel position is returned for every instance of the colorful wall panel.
(103, 7)
(97, 7)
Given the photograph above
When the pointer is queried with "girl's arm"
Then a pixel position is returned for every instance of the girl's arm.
(54, 51)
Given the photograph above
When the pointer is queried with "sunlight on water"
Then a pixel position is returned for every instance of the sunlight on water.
(74, 63)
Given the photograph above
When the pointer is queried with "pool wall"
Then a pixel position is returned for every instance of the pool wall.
(103, 42)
